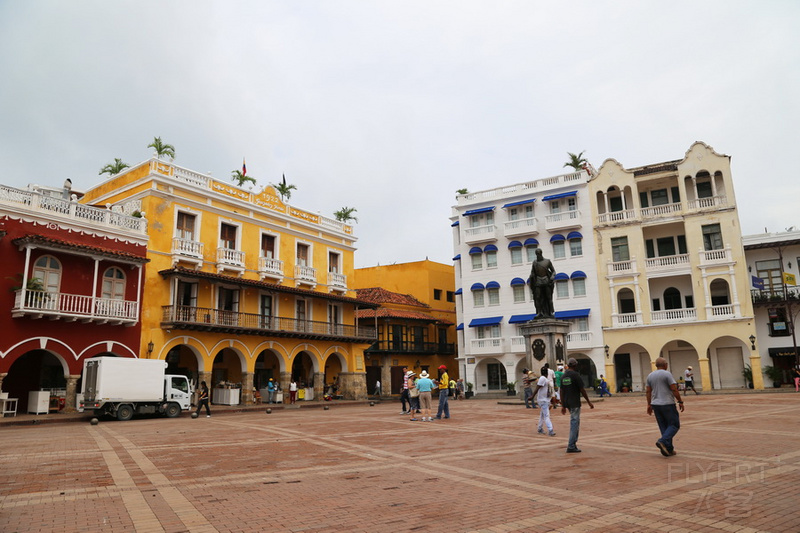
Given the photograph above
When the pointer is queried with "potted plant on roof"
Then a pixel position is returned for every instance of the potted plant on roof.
(775, 374)
(511, 388)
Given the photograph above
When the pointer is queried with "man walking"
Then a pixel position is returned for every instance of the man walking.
(688, 379)
(571, 391)
(444, 383)
(662, 393)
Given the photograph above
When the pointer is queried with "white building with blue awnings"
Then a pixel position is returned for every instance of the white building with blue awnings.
(496, 233)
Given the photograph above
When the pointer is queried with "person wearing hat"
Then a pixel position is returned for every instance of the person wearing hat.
(404, 398)
(571, 392)
(413, 395)
(528, 377)
(688, 378)
(425, 386)
(444, 384)
(270, 391)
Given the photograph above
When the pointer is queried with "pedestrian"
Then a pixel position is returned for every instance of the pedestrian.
(542, 393)
(558, 373)
(292, 391)
(452, 387)
(551, 378)
(688, 380)
(378, 389)
(404, 398)
(203, 399)
(425, 386)
(270, 391)
(528, 379)
(662, 393)
(444, 404)
(460, 389)
(796, 378)
(571, 391)
(413, 395)
(604, 387)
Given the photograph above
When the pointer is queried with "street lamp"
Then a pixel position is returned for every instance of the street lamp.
(606, 348)
(752, 342)
(150, 347)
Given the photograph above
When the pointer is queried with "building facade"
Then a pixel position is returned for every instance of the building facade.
(72, 278)
(241, 287)
(776, 300)
(675, 281)
(416, 320)
(496, 233)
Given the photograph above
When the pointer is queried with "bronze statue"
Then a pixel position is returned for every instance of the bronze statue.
(542, 282)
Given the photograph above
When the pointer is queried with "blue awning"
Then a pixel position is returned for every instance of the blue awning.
(560, 276)
(475, 250)
(490, 248)
(531, 242)
(456, 223)
(492, 285)
(458, 291)
(460, 327)
(521, 202)
(491, 321)
(518, 319)
(515, 244)
(578, 274)
(574, 235)
(457, 258)
(518, 281)
(477, 287)
(562, 195)
(577, 313)
(557, 237)
(478, 211)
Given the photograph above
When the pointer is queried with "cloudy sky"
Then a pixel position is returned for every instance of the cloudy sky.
(391, 106)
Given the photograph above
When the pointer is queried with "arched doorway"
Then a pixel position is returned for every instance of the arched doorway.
(34, 371)
(267, 367)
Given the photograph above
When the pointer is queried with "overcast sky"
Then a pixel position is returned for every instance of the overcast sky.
(391, 106)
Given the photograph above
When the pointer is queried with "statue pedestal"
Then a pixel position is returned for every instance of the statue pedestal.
(545, 342)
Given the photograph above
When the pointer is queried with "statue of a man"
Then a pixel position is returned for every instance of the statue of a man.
(542, 281)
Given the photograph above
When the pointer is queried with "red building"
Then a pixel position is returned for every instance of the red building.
(70, 288)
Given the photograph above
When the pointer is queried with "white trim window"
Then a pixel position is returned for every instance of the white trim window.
(530, 252)
(579, 287)
(477, 261)
(494, 296)
(562, 289)
(114, 284)
(516, 256)
(491, 259)
(576, 247)
(519, 293)
(478, 298)
(559, 250)
(48, 270)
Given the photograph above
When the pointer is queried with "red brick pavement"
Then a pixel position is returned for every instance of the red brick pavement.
(361, 468)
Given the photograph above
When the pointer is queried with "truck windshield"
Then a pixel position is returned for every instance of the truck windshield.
(180, 384)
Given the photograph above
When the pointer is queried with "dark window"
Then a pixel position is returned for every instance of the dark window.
(666, 246)
(672, 298)
(676, 195)
(712, 237)
(615, 204)
(704, 189)
(437, 294)
(659, 197)
(651, 249)
(227, 236)
(451, 296)
(656, 304)
(268, 246)
(627, 304)
(682, 245)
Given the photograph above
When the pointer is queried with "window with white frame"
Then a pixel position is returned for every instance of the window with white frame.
(491, 259)
(494, 296)
(572, 203)
(575, 247)
(580, 324)
(562, 289)
(555, 206)
(227, 236)
(488, 332)
(516, 255)
(559, 250)
(114, 284)
(334, 262)
(530, 252)
(477, 261)
(482, 219)
(579, 287)
(184, 226)
(268, 246)
(303, 254)
(619, 249)
(477, 298)
(519, 293)
(48, 270)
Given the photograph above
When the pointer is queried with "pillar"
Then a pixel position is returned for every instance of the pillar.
(72, 391)
(386, 377)
(286, 378)
(705, 373)
(758, 376)
(247, 389)
(319, 385)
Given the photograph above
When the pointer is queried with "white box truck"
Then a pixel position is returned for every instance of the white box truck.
(121, 387)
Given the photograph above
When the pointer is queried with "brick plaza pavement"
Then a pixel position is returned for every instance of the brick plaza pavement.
(361, 468)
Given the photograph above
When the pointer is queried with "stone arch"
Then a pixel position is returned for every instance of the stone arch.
(727, 356)
(490, 376)
(190, 346)
(719, 290)
(632, 365)
(269, 364)
(106, 347)
(55, 346)
(34, 370)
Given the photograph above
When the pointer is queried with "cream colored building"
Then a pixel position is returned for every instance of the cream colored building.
(672, 270)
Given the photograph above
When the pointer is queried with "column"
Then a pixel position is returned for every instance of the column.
(386, 377)
(72, 390)
(755, 364)
(285, 379)
(705, 373)
(247, 389)
(319, 385)
(203, 376)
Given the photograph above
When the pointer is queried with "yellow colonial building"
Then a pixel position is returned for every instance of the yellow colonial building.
(241, 287)
(669, 247)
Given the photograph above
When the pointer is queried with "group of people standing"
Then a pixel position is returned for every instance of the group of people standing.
(417, 394)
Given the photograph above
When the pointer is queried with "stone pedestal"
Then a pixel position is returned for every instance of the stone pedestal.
(545, 342)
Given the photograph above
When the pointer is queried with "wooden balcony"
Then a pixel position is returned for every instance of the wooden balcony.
(73, 307)
(207, 319)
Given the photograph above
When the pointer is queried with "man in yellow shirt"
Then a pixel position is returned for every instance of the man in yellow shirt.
(444, 382)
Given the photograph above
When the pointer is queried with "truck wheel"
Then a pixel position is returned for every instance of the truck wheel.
(173, 410)
(124, 412)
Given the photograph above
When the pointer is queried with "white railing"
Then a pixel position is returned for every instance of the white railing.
(565, 219)
(74, 305)
(722, 311)
(525, 187)
(675, 315)
(484, 346)
(621, 267)
(270, 267)
(661, 210)
(230, 257)
(627, 319)
(187, 247)
(525, 226)
(716, 256)
(191, 177)
(667, 262)
(579, 339)
(49, 206)
(711, 201)
(305, 273)
(517, 344)
(480, 233)
(616, 216)
(337, 280)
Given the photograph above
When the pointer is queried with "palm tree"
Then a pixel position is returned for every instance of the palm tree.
(576, 161)
(345, 214)
(241, 179)
(114, 168)
(283, 189)
(162, 148)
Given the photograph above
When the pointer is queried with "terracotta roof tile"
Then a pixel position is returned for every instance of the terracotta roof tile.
(399, 314)
(380, 295)
(67, 245)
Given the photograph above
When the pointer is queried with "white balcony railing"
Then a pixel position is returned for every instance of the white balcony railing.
(525, 226)
(621, 267)
(74, 306)
(716, 256)
(517, 344)
(579, 339)
(722, 311)
(627, 319)
(566, 219)
(337, 281)
(711, 201)
(661, 210)
(227, 256)
(616, 216)
(493, 345)
(305, 274)
(675, 315)
(668, 262)
(480, 234)
(187, 248)
(270, 267)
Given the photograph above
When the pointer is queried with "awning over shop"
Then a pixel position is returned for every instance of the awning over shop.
(490, 321)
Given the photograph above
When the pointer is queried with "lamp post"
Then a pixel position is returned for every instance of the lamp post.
(150, 347)
(753, 342)
(606, 348)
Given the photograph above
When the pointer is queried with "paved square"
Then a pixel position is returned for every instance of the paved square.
(360, 468)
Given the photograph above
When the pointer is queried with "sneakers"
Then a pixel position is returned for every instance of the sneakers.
(208, 416)
(662, 448)
(552, 433)
(672, 452)
(540, 430)
(573, 450)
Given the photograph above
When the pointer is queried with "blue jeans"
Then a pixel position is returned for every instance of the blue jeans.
(270, 396)
(528, 392)
(669, 422)
(444, 405)
(574, 427)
